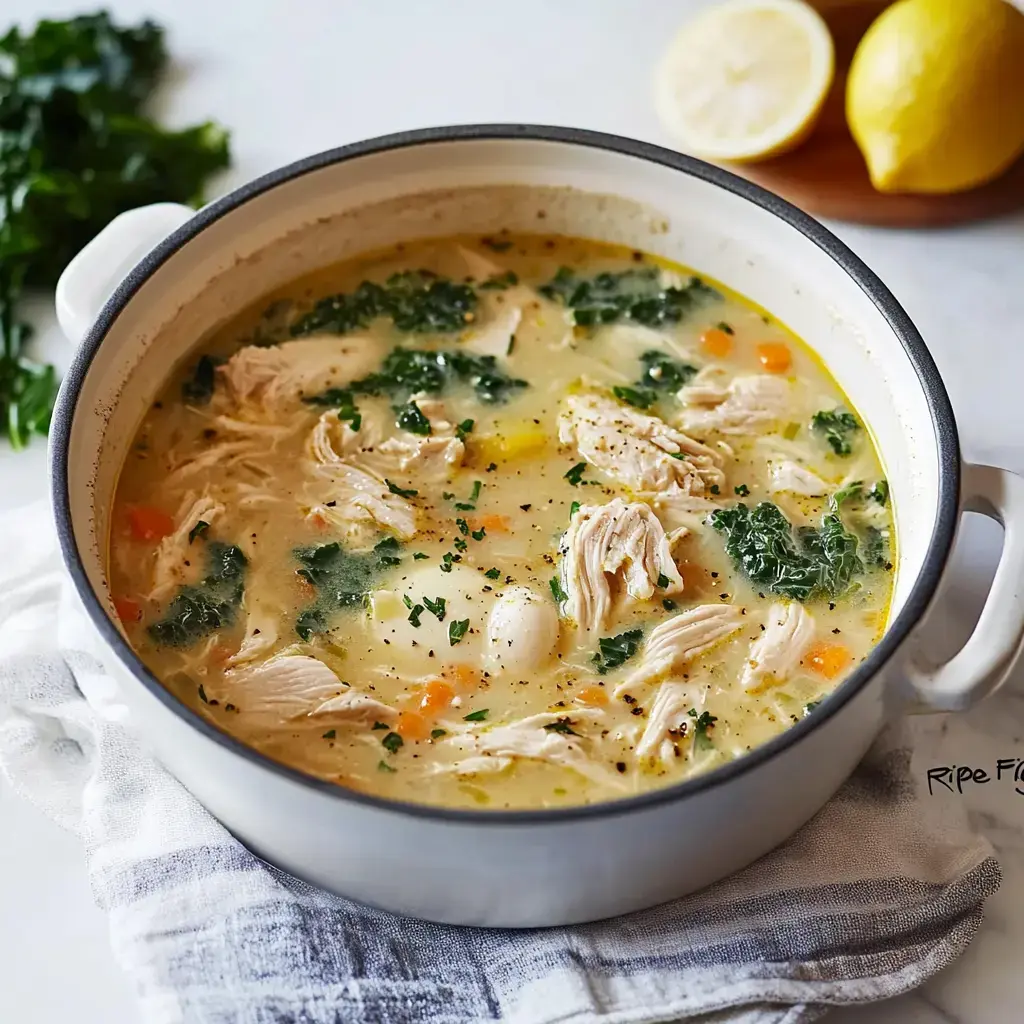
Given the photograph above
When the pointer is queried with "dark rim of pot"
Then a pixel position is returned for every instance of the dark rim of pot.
(924, 588)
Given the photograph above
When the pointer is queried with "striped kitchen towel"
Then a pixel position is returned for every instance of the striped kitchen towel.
(881, 890)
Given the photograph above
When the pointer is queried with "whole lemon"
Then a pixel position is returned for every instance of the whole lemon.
(935, 95)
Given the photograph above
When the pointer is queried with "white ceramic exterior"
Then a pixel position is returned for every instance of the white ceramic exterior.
(546, 867)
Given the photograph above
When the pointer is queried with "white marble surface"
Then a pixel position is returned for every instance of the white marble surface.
(288, 85)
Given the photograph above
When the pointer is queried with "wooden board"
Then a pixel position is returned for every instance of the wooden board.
(827, 177)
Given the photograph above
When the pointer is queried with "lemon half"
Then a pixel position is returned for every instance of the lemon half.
(935, 97)
(745, 79)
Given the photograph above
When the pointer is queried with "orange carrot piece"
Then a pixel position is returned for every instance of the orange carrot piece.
(716, 342)
(412, 726)
(127, 609)
(492, 523)
(148, 523)
(827, 659)
(774, 356)
(437, 695)
(594, 696)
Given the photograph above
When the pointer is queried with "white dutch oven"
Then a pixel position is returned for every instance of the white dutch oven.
(157, 279)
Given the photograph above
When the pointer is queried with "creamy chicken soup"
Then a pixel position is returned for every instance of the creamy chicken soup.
(506, 522)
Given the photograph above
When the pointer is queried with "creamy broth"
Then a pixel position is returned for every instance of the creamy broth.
(623, 530)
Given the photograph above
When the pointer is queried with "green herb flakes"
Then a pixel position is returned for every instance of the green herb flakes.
(617, 650)
(457, 629)
(477, 716)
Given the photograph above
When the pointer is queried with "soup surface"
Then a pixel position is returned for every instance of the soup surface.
(504, 522)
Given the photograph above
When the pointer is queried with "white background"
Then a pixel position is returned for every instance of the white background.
(292, 78)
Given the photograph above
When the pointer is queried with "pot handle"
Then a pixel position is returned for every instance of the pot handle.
(985, 662)
(94, 274)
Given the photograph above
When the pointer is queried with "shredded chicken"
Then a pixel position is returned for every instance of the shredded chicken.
(791, 476)
(358, 496)
(296, 685)
(667, 716)
(436, 455)
(528, 738)
(747, 405)
(169, 567)
(639, 451)
(776, 653)
(675, 642)
(496, 335)
(607, 546)
(269, 377)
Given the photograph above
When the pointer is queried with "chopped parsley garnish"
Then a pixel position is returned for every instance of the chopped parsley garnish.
(575, 475)
(457, 629)
(402, 492)
(837, 428)
(795, 563)
(436, 734)
(715, 489)
(469, 505)
(383, 766)
(477, 716)
(563, 726)
(479, 534)
(640, 398)
(330, 734)
(663, 581)
(200, 528)
(810, 706)
(416, 301)
(617, 650)
(464, 429)
(436, 607)
(557, 592)
(342, 579)
(636, 294)
(420, 556)
(463, 526)
(197, 610)
(414, 615)
(876, 547)
(880, 492)
(493, 574)
(392, 743)
(460, 544)
(380, 725)
(724, 327)
(663, 373)
(343, 403)
(702, 726)
(202, 694)
(669, 605)
(574, 508)
(742, 490)
(411, 418)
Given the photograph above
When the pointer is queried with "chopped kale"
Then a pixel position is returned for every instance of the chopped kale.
(617, 650)
(702, 726)
(77, 148)
(742, 490)
(557, 592)
(411, 418)
(342, 579)
(343, 403)
(851, 492)
(836, 427)
(763, 544)
(402, 492)
(635, 294)
(200, 528)
(493, 574)
(500, 281)
(477, 716)
(200, 609)
(663, 373)
(198, 388)
(416, 301)
(464, 429)
(876, 547)
(880, 492)
(457, 629)
(640, 398)
(810, 706)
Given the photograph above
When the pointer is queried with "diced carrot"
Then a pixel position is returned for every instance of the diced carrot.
(148, 523)
(716, 342)
(127, 609)
(593, 695)
(827, 659)
(491, 523)
(412, 726)
(437, 695)
(463, 675)
(774, 356)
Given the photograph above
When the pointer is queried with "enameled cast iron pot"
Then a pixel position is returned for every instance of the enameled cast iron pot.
(157, 279)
